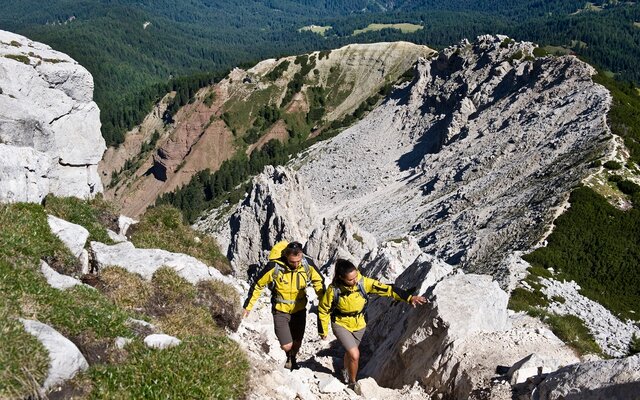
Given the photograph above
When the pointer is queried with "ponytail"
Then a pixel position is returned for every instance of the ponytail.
(343, 267)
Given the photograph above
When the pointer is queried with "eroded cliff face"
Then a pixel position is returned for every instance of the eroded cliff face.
(46, 110)
(471, 157)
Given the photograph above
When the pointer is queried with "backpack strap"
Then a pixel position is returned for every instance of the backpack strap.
(336, 296)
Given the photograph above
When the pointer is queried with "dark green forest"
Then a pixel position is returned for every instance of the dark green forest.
(133, 65)
(594, 243)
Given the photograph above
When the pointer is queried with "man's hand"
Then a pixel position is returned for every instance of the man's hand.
(245, 313)
(417, 300)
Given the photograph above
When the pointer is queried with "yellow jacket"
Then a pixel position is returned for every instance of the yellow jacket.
(348, 312)
(288, 292)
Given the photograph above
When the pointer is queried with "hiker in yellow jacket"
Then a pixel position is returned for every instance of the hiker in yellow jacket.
(287, 274)
(344, 303)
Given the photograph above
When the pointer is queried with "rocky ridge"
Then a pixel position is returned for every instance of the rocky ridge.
(50, 139)
(472, 157)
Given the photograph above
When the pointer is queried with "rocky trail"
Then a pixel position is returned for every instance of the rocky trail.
(320, 363)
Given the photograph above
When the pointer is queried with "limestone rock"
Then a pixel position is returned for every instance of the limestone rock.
(530, 366)
(611, 379)
(57, 280)
(122, 342)
(46, 105)
(612, 335)
(124, 223)
(145, 262)
(65, 360)
(390, 259)
(330, 384)
(277, 208)
(471, 157)
(338, 238)
(72, 235)
(115, 237)
(161, 341)
(427, 349)
(23, 174)
(370, 390)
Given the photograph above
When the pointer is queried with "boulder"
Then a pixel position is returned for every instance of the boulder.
(65, 360)
(72, 235)
(145, 262)
(46, 105)
(57, 280)
(609, 379)
(161, 341)
(390, 259)
(124, 223)
(330, 384)
(532, 365)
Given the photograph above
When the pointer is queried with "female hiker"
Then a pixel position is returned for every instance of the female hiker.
(344, 302)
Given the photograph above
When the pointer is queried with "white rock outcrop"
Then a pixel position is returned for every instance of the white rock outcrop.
(72, 235)
(57, 280)
(610, 379)
(338, 238)
(65, 360)
(277, 208)
(161, 341)
(46, 105)
(612, 335)
(23, 174)
(145, 262)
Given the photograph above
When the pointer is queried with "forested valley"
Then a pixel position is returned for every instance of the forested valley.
(135, 50)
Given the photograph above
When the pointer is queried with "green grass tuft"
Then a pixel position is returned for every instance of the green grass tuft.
(199, 368)
(93, 215)
(571, 330)
(19, 58)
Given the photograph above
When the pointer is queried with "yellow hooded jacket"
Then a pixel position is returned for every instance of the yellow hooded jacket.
(288, 292)
(348, 312)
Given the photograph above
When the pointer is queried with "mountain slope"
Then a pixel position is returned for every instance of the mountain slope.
(292, 99)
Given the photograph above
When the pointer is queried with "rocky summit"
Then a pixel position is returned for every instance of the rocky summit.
(50, 140)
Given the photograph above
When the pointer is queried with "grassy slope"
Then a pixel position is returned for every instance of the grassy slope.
(206, 363)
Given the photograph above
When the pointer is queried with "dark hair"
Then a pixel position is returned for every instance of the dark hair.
(293, 248)
(343, 267)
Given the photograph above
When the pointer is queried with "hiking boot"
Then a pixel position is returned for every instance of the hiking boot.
(289, 362)
(355, 386)
(294, 364)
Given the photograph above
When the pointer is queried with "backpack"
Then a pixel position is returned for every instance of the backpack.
(276, 253)
(336, 298)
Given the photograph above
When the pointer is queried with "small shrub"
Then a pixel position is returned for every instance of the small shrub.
(628, 187)
(19, 57)
(612, 165)
(515, 56)
(634, 345)
(559, 299)
(525, 300)
(595, 164)
(540, 52)
(506, 42)
(15, 43)
(208, 101)
(615, 178)
(358, 238)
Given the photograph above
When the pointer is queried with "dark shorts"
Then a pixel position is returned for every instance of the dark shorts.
(289, 327)
(347, 338)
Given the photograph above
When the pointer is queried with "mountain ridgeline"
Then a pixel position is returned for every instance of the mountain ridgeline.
(230, 130)
(152, 42)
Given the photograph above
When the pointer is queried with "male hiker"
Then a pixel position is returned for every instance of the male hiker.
(287, 274)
